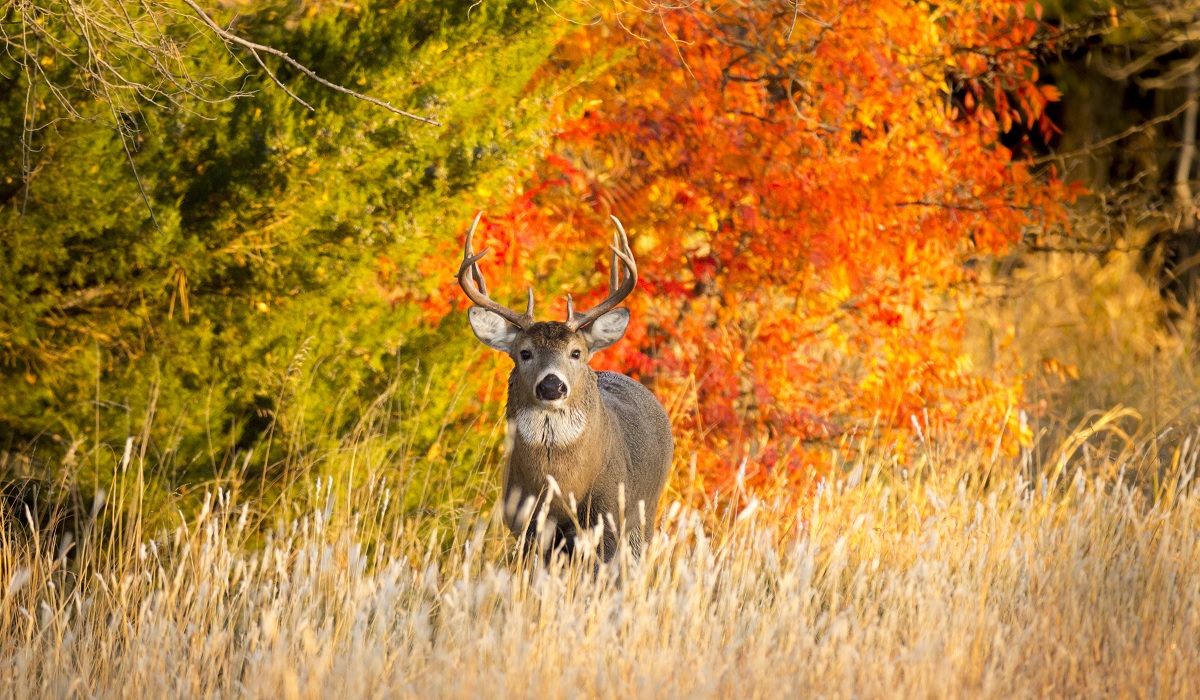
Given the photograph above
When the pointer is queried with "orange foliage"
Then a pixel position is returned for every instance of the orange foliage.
(804, 189)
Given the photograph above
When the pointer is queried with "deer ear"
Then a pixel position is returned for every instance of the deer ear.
(606, 330)
(492, 330)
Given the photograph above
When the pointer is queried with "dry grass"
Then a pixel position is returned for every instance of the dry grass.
(1091, 331)
(934, 582)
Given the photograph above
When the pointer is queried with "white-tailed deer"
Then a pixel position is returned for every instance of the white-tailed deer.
(588, 447)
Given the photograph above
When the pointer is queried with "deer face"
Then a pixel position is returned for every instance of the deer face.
(551, 360)
(551, 387)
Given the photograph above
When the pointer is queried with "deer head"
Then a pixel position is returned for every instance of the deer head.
(550, 357)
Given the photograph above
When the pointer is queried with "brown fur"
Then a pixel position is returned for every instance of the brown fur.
(626, 445)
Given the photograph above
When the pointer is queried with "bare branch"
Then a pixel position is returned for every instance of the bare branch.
(255, 48)
(1091, 148)
(1187, 151)
(1140, 63)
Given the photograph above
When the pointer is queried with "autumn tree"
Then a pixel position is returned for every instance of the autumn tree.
(807, 186)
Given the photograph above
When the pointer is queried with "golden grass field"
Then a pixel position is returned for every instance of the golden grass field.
(1072, 569)
(927, 581)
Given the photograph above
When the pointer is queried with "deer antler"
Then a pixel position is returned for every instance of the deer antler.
(617, 289)
(470, 278)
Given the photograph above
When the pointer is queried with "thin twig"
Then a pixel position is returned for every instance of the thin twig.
(279, 82)
(255, 48)
(129, 156)
(961, 207)
(94, 56)
(30, 119)
(1113, 139)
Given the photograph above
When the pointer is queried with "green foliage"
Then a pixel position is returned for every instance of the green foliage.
(260, 272)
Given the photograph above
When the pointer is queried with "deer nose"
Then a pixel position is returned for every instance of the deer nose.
(551, 388)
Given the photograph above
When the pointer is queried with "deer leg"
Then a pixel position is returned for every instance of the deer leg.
(609, 538)
(564, 540)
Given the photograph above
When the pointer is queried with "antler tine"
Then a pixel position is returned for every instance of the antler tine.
(477, 275)
(617, 292)
(614, 270)
(470, 278)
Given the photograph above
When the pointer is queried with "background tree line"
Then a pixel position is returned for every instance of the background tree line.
(202, 242)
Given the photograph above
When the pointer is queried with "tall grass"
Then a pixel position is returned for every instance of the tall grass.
(958, 574)
(1091, 330)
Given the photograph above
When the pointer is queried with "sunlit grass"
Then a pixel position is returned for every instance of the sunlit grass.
(956, 574)
(1091, 331)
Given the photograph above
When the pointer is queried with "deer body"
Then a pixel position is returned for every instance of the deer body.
(624, 446)
(587, 449)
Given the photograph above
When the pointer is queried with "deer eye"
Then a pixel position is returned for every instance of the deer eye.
(526, 355)
(574, 354)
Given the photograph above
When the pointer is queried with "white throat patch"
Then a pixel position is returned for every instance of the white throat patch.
(552, 428)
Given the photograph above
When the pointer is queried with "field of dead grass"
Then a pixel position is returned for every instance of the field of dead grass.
(961, 575)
